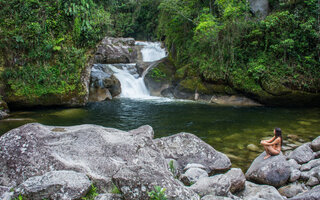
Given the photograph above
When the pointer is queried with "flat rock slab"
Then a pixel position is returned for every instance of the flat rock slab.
(55, 185)
(187, 148)
(274, 170)
(258, 192)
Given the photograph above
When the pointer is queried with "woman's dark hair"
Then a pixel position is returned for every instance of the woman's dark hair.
(278, 134)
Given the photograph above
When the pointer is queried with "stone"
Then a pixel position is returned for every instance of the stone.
(273, 171)
(317, 154)
(291, 190)
(310, 165)
(293, 137)
(315, 144)
(108, 196)
(187, 148)
(135, 181)
(312, 194)
(116, 50)
(194, 165)
(212, 197)
(3, 114)
(192, 175)
(312, 181)
(218, 185)
(302, 154)
(293, 164)
(253, 147)
(295, 175)
(258, 192)
(5, 193)
(260, 7)
(56, 185)
(237, 179)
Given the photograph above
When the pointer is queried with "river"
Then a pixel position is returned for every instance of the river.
(228, 129)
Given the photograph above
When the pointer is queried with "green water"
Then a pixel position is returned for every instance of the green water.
(227, 129)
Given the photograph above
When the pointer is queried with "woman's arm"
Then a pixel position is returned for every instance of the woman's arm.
(273, 143)
(268, 141)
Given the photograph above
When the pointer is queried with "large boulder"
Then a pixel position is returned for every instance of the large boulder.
(315, 144)
(259, 192)
(218, 185)
(107, 156)
(302, 154)
(312, 164)
(273, 171)
(237, 179)
(187, 148)
(56, 185)
(312, 194)
(116, 50)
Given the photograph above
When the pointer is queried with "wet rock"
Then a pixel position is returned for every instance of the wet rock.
(315, 144)
(108, 196)
(218, 185)
(192, 175)
(253, 147)
(312, 181)
(310, 165)
(116, 50)
(56, 185)
(312, 194)
(295, 175)
(260, 7)
(187, 148)
(293, 137)
(254, 192)
(237, 179)
(233, 100)
(273, 171)
(291, 190)
(302, 154)
(135, 181)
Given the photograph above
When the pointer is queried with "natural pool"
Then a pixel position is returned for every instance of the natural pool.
(228, 129)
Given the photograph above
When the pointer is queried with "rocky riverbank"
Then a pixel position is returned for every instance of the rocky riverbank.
(50, 162)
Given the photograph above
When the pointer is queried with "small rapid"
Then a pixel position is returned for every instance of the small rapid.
(151, 51)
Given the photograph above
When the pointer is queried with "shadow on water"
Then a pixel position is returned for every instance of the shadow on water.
(228, 129)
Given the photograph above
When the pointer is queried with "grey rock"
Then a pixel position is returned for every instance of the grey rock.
(212, 197)
(302, 154)
(313, 194)
(312, 181)
(315, 144)
(3, 114)
(291, 190)
(56, 185)
(310, 165)
(260, 7)
(218, 185)
(5, 193)
(187, 148)
(295, 175)
(273, 171)
(135, 181)
(293, 164)
(256, 192)
(237, 179)
(194, 165)
(192, 175)
(317, 154)
(116, 50)
(305, 175)
(108, 196)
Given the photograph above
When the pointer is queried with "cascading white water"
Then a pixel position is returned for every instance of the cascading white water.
(133, 86)
(151, 51)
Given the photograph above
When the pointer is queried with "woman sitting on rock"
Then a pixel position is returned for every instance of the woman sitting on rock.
(273, 146)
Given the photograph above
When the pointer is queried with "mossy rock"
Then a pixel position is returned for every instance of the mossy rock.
(274, 87)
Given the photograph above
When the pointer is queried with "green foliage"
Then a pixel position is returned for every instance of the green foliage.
(115, 190)
(157, 74)
(91, 194)
(158, 193)
(172, 168)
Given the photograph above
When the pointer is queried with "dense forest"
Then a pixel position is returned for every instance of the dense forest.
(45, 45)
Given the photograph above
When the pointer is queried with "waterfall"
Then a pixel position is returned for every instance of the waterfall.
(132, 85)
